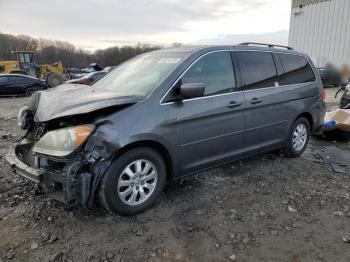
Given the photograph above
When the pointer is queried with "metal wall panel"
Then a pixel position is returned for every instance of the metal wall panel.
(297, 3)
(322, 30)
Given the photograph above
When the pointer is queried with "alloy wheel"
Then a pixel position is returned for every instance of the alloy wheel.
(299, 137)
(137, 182)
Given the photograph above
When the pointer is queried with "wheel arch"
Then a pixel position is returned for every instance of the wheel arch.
(34, 88)
(308, 116)
(160, 148)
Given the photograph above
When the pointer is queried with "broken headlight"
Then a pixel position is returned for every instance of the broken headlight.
(63, 141)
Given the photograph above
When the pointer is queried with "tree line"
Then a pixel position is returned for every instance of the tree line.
(51, 51)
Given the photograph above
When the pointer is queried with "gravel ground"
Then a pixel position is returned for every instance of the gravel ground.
(266, 208)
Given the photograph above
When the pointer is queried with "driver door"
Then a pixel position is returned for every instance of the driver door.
(210, 128)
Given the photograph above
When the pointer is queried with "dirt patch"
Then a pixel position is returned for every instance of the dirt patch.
(266, 208)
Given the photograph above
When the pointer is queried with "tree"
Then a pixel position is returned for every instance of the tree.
(51, 51)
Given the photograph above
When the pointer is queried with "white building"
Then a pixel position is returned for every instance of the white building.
(321, 29)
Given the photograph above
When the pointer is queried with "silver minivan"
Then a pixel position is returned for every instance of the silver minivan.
(164, 115)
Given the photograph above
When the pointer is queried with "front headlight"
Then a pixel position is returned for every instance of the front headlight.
(63, 141)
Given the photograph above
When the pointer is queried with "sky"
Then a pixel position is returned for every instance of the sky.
(94, 24)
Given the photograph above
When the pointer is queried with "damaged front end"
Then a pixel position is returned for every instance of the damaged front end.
(70, 181)
(72, 176)
(62, 155)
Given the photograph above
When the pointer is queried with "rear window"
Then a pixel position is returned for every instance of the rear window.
(296, 70)
(258, 69)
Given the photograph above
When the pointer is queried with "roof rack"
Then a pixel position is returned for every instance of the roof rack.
(264, 44)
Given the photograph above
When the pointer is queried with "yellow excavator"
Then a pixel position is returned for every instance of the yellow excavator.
(24, 63)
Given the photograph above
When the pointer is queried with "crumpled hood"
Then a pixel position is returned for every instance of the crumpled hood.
(68, 99)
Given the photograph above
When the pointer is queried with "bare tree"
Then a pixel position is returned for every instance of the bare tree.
(51, 51)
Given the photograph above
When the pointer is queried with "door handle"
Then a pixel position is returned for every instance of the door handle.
(255, 100)
(234, 104)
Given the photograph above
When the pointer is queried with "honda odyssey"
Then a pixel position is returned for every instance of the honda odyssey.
(164, 115)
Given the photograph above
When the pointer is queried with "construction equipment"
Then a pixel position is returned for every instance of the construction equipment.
(25, 64)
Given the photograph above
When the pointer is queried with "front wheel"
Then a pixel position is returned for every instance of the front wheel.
(298, 138)
(133, 182)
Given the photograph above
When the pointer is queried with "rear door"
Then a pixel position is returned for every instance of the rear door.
(211, 128)
(267, 104)
(300, 81)
(16, 85)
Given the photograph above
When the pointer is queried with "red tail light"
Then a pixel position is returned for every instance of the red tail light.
(322, 94)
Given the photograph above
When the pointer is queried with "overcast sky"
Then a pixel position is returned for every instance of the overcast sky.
(93, 24)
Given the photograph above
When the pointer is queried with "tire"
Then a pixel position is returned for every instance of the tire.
(118, 190)
(54, 79)
(293, 148)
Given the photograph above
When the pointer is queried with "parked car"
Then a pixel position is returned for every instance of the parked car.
(88, 79)
(18, 84)
(330, 76)
(164, 115)
(74, 73)
(345, 98)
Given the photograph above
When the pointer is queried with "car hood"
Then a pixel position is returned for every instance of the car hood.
(68, 99)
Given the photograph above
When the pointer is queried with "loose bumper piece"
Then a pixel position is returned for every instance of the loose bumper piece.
(72, 185)
(20, 168)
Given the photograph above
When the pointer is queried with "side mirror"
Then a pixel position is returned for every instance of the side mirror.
(192, 90)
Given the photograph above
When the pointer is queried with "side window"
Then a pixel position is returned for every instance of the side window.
(11, 79)
(215, 71)
(3, 80)
(27, 58)
(258, 69)
(296, 70)
(15, 79)
(21, 58)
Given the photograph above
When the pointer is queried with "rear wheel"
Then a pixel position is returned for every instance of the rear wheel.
(298, 137)
(31, 90)
(133, 182)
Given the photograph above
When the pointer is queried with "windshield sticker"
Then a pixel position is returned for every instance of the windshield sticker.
(170, 60)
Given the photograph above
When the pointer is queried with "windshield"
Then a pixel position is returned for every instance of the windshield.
(140, 75)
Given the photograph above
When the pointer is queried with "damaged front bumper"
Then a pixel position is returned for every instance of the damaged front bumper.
(73, 182)
(22, 169)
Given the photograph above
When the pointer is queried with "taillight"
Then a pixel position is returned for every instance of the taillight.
(322, 94)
